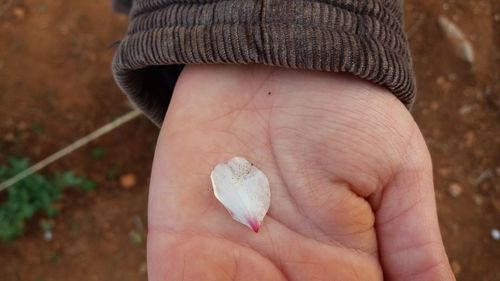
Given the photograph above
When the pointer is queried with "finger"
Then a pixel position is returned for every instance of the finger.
(189, 257)
(410, 242)
(293, 255)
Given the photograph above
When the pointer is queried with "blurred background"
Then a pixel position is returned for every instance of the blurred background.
(84, 216)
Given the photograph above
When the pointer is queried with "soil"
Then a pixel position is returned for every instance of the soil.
(55, 72)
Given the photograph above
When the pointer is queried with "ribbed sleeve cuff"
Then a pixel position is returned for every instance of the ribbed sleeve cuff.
(365, 38)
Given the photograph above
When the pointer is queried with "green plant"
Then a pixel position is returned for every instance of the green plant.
(31, 195)
(98, 152)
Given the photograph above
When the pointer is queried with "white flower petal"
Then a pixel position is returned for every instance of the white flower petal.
(243, 190)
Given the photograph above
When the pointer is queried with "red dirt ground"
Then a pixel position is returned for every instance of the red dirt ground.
(55, 72)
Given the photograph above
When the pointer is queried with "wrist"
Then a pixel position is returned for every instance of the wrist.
(229, 87)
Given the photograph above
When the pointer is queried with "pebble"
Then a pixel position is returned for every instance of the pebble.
(440, 80)
(455, 190)
(466, 109)
(462, 46)
(92, 56)
(456, 267)
(470, 139)
(434, 105)
(495, 233)
(127, 181)
(444, 172)
(9, 137)
(19, 12)
(21, 126)
(47, 235)
(478, 199)
(452, 77)
(443, 84)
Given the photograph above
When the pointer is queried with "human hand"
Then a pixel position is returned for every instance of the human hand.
(350, 176)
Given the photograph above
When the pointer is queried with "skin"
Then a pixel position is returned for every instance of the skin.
(351, 181)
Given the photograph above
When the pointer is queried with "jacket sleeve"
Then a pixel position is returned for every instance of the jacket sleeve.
(362, 37)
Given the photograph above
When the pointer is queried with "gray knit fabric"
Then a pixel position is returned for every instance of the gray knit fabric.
(362, 37)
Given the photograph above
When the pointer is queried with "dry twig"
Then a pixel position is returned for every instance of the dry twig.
(72, 147)
(416, 26)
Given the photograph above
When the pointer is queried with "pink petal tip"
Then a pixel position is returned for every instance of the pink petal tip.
(255, 225)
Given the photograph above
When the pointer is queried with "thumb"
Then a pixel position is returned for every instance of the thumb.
(407, 227)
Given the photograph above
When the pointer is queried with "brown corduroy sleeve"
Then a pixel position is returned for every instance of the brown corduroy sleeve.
(362, 37)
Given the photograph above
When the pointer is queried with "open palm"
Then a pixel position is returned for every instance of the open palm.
(350, 176)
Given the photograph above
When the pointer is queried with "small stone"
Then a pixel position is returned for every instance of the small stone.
(465, 109)
(92, 57)
(9, 137)
(495, 233)
(19, 12)
(470, 139)
(444, 172)
(455, 190)
(47, 235)
(462, 46)
(127, 181)
(452, 77)
(434, 105)
(443, 84)
(456, 267)
(21, 126)
(440, 80)
(478, 199)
